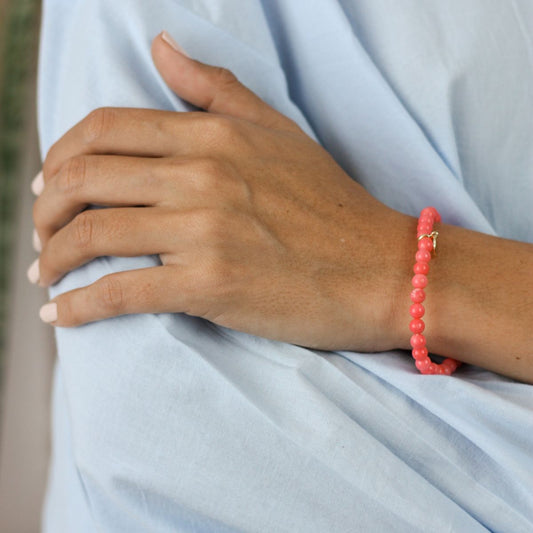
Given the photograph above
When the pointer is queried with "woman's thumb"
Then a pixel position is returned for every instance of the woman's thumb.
(214, 89)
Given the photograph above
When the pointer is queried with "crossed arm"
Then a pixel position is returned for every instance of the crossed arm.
(258, 229)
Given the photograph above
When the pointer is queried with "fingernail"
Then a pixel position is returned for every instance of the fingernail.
(48, 312)
(37, 246)
(37, 185)
(173, 44)
(33, 272)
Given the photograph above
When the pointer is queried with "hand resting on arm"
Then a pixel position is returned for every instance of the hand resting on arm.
(259, 230)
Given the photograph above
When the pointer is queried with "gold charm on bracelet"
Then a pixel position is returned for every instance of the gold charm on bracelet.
(433, 236)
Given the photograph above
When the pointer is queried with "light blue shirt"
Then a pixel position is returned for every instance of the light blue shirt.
(169, 423)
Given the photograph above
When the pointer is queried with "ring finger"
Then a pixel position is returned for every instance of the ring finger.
(123, 232)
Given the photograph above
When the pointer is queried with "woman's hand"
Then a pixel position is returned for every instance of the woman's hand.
(257, 227)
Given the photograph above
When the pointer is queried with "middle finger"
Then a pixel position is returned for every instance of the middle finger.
(115, 181)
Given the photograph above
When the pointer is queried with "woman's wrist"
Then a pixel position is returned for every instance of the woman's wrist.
(479, 307)
(387, 301)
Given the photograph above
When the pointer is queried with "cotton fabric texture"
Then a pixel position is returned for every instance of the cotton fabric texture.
(169, 423)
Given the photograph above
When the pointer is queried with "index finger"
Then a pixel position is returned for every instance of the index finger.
(122, 131)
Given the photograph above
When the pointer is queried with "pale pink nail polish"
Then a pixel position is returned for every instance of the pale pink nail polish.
(37, 185)
(37, 246)
(173, 44)
(48, 312)
(33, 272)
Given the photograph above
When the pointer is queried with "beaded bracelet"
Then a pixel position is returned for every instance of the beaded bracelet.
(427, 243)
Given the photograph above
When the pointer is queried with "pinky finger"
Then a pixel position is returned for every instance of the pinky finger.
(147, 290)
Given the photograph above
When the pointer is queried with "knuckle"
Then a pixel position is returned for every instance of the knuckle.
(83, 229)
(210, 165)
(221, 125)
(72, 175)
(98, 123)
(224, 78)
(215, 274)
(222, 132)
(208, 225)
(111, 294)
(208, 172)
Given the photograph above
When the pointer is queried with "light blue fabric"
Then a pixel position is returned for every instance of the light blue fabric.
(168, 423)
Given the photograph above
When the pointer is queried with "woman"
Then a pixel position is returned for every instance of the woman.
(164, 421)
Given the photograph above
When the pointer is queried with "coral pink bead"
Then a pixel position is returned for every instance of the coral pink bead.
(430, 212)
(450, 364)
(446, 370)
(419, 281)
(425, 244)
(418, 341)
(423, 364)
(420, 353)
(418, 296)
(432, 369)
(417, 325)
(423, 256)
(417, 310)
(421, 268)
(424, 228)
